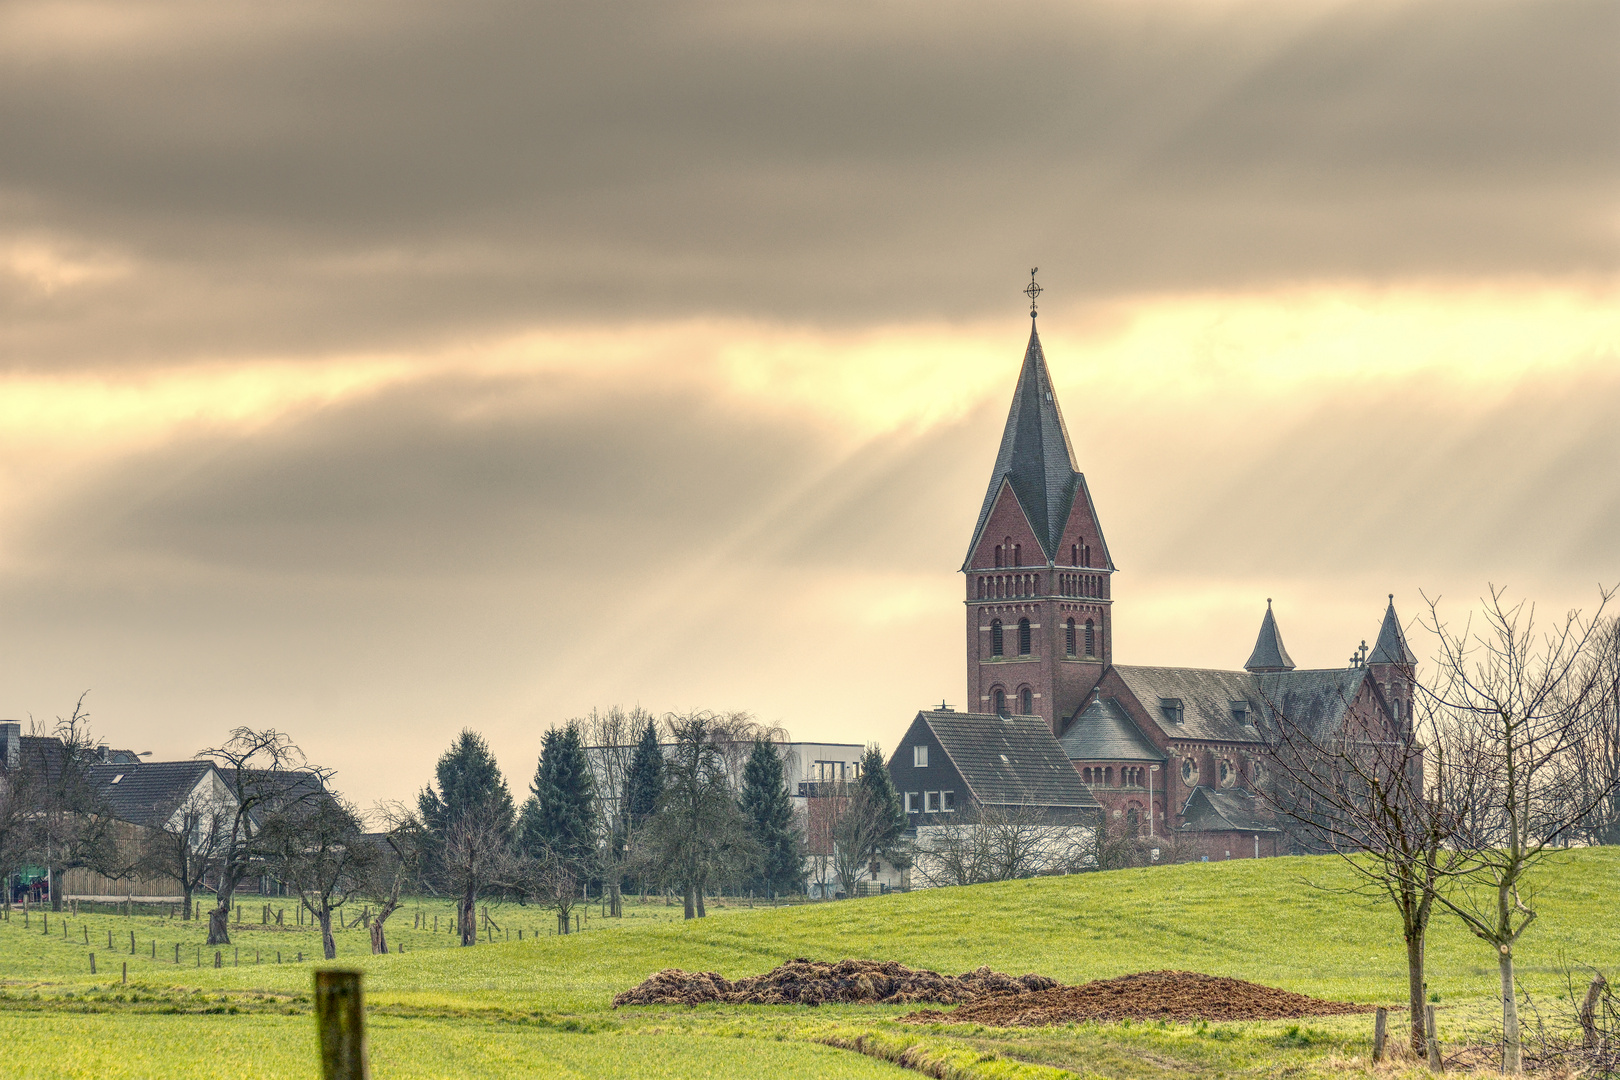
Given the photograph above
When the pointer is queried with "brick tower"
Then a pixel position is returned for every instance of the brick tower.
(1039, 601)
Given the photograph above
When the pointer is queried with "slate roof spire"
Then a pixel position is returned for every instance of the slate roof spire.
(1269, 653)
(1036, 457)
(1391, 647)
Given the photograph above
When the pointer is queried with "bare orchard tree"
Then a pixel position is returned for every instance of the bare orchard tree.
(858, 832)
(186, 848)
(1117, 844)
(71, 825)
(1511, 704)
(1363, 791)
(267, 775)
(16, 822)
(611, 739)
(698, 835)
(476, 857)
(395, 866)
(1593, 768)
(1001, 843)
(318, 849)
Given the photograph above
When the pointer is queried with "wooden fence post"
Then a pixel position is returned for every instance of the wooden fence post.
(1380, 1032)
(132, 943)
(1435, 1064)
(92, 963)
(1588, 1016)
(340, 1020)
(126, 972)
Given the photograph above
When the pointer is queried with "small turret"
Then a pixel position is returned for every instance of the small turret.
(1391, 647)
(1269, 654)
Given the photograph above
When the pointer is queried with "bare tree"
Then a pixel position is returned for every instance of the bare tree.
(187, 847)
(857, 832)
(1593, 768)
(1362, 791)
(698, 835)
(395, 865)
(71, 826)
(1001, 843)
(1511, 705)
(612, 737)
(318, 849)
(267, 774)
(475, 858)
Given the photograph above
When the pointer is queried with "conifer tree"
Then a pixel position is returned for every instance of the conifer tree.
(770, 819)
(469, 826)
(890, 815)
(646, 777)
(561, 820)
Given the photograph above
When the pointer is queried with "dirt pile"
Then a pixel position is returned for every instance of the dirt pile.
(1148, 995)
(812, 982)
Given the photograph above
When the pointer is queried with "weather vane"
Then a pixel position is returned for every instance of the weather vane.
(1032, 290)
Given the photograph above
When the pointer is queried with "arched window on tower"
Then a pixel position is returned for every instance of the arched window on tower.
(1091, 638)
(1023, 637)
(995, 637)
(1018, 554)
(1068, 638)
(1026, 702)
(998, 555)
(999, 697)
(1085, 553)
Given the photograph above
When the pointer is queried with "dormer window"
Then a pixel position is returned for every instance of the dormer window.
(1171, 708)
(1240, 712)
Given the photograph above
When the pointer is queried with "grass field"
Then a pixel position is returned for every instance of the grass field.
(541, 1007)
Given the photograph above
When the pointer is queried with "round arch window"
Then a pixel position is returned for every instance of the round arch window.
(1229, 773)
(1189, 771)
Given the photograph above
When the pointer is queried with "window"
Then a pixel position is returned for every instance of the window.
(1189, 772)
(998, 555)
(911, 802)
(1133, 819)
(1018, 554)
(1068, 638)
(1023, 637)
(1026, 702)
(919, 757)
(995, 637)
(947, 802)
(1108, 777)
(999, 697)
(1074, 554)
(931, 802)
(1085, 555)
(1091, 638)
(1229, 773)
(981, 588)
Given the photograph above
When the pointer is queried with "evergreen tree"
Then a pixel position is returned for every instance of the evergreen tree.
(769, 811)
(646, 777)
(885, 802)
(561, 818)
(469, 783)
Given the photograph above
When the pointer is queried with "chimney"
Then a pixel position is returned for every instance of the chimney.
(11, 742)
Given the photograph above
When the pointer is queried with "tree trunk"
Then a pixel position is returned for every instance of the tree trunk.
(185, 916)
(615, 901)
(702, 913)
(691, 905)
(563, 925)
(328, 945)
(379, 945)
(467, 918)
(219, 926)
(56, 888)
(1415, 992)
(1512, 1053)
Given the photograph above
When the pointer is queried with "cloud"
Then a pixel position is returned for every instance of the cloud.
(394, 175)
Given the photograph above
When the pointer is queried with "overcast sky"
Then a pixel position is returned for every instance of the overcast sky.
(378, 369)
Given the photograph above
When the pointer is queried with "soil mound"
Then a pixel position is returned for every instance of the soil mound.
(1148, 995)
(811, 982)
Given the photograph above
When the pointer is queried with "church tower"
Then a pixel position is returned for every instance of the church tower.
(1039, 599)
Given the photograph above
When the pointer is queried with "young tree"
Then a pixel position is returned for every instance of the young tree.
(186, 848)
(318, 849)
(558, 827)
(395, 866)
(645, 780)
(267, 775)
(1511, 707)
(769, 810)
(468, 822)
(698, 834)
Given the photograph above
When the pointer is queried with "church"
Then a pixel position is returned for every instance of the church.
(1169, 753)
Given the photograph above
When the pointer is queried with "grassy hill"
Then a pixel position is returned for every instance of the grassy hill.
(541, 1006)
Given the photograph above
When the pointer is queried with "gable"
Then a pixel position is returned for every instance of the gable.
(1008, 525)
(1083, 530)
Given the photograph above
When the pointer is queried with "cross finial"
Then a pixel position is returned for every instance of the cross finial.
(1032, 290)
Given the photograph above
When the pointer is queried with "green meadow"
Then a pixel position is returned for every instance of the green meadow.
(542, 1006)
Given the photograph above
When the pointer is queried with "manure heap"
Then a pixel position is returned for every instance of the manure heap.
(1148, 995)
(812, 982)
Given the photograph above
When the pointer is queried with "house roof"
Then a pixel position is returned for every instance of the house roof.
(1104, 731)
(148, 793)
(1223, 811)
(1206, 699)
(1008, 761)
(1036, 458)
(1269, 654)
(1313, 701)
(1391, 647)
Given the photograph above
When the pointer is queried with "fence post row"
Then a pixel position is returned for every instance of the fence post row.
(341, 1025)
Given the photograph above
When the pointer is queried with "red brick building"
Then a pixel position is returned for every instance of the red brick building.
(1173, 751)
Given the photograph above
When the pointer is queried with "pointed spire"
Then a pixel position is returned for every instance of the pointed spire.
(1269, 653)
(1391, 647)
(1036, 457)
